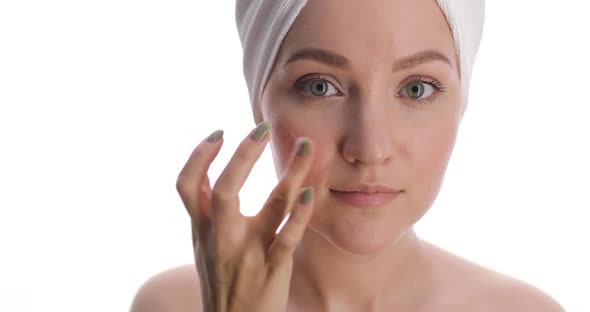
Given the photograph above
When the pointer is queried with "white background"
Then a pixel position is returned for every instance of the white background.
(101, 103)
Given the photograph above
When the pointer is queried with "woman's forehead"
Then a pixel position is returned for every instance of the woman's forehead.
(370, 28)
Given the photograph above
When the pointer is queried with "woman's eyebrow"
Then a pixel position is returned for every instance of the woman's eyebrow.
(420, 58)
(321, 56)
(336, 60)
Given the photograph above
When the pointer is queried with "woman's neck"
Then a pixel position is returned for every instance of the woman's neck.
(328, 278)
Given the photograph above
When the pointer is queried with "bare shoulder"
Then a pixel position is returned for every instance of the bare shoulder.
(174, 290)
(515, 295)
(476, 288)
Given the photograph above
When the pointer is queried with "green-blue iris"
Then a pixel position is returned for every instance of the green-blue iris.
(415, 89)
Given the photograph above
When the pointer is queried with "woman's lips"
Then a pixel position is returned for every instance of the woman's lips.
(364, 199)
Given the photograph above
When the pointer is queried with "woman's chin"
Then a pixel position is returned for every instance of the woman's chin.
(361, 241)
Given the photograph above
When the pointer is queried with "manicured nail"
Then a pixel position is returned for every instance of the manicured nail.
(303, 148)
(306, 196)
(260, 132)
(215, 136)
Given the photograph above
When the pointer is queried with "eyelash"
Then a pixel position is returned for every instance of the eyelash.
(438, 87)
(302, 81)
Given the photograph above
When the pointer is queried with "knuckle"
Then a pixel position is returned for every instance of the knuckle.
(289, 240)
(183, 185)
(247, 149)
(251, 259)
(278, 199)
(281, 251)
(243, 153)
(220, 196)
(182, 182)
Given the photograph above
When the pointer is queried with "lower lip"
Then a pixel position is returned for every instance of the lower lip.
(365, 200)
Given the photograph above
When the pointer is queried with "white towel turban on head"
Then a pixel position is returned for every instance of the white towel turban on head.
(263, 24)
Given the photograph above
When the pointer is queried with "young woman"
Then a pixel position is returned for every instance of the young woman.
(361, 102)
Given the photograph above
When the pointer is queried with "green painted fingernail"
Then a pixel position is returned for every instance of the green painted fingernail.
(306, 196)
(303, 148)
(215, 136)
(260, 132)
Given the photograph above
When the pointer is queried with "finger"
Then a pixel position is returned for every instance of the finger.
(285, 242)
(192, 181)
(285, 193)
(226, 189)
(204, 200)
(202, 222)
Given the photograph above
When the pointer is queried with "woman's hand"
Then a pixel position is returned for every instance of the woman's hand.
(242, 264)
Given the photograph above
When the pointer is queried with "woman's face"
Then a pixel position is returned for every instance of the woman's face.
(375, 85)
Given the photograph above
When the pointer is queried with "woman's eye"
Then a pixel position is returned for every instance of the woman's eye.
(319, 87)
(417, 89)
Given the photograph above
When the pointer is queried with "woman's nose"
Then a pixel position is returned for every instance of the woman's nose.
(368, 137)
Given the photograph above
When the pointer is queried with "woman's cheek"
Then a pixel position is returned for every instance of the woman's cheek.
(285, 130)
(291, 117)
(433, 154)
(284, 134)
(282, 145)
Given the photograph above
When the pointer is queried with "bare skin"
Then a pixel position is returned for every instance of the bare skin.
(465, 287)
(373, 118)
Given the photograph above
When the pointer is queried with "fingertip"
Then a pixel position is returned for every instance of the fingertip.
(260, 133)
(215, 137)
(305, 204)
(303, 147)
(306, 196)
